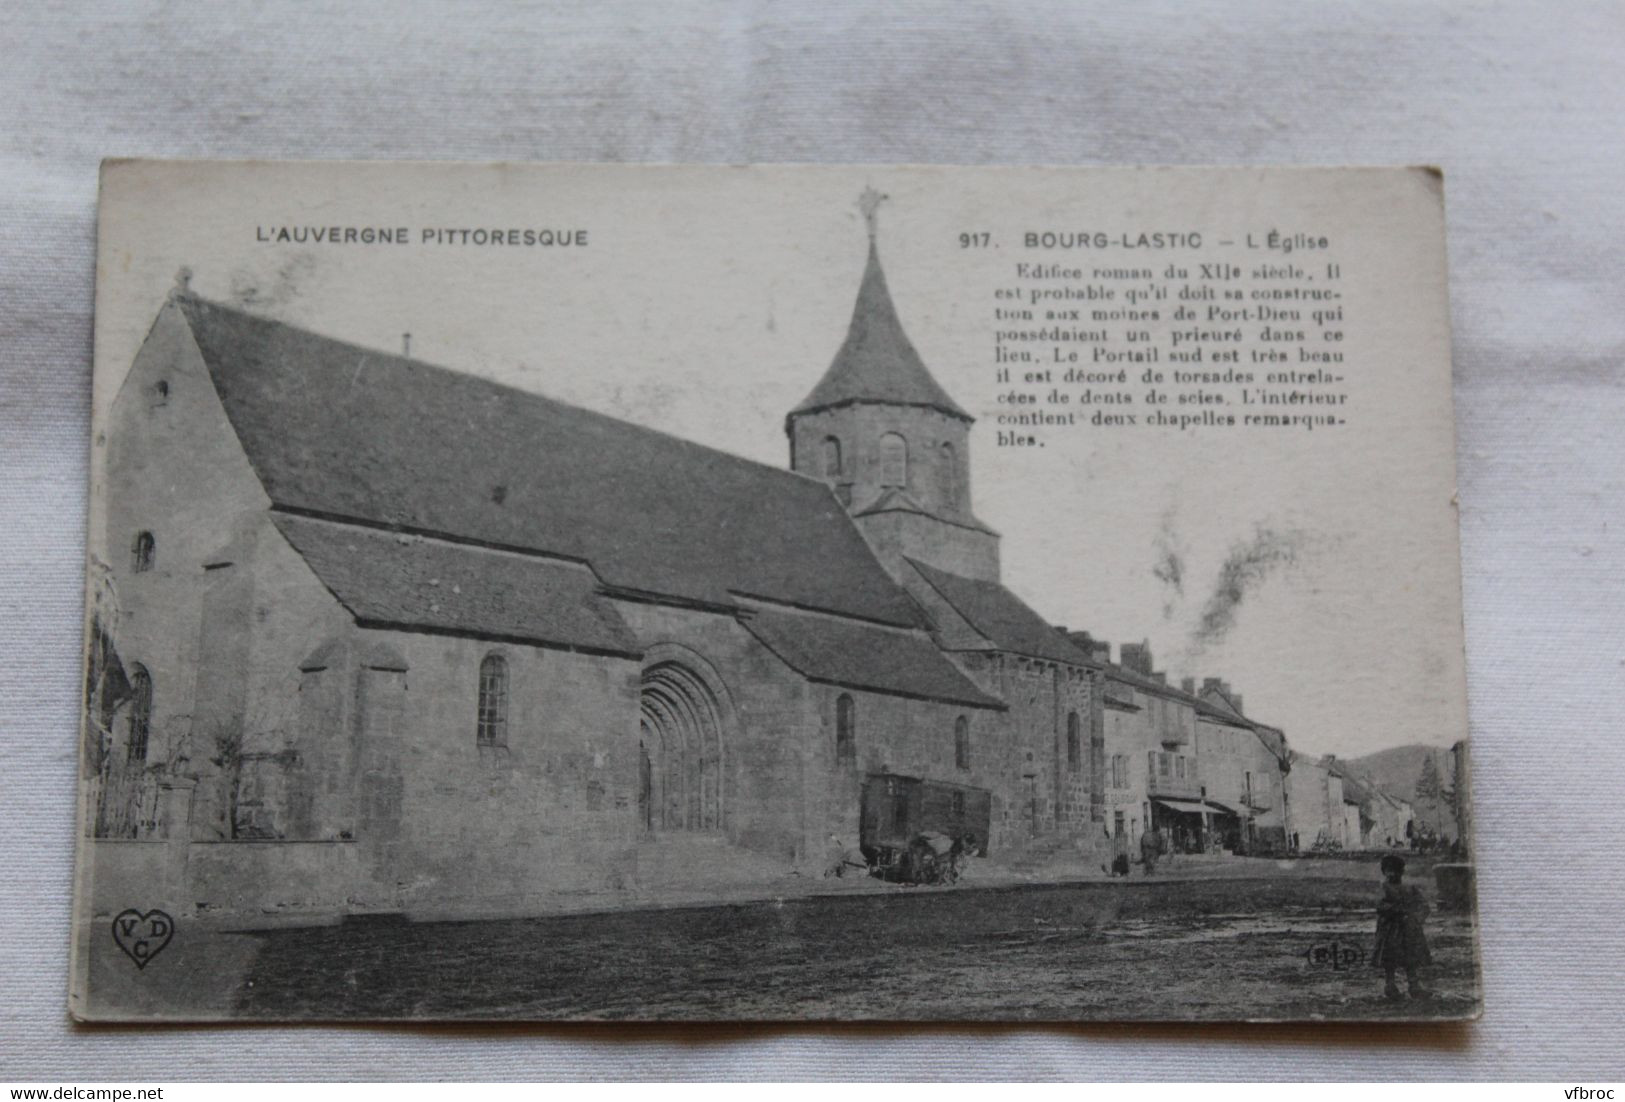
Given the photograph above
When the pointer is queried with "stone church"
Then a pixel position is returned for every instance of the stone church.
(392, 637)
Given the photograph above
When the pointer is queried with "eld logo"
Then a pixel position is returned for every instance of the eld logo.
(1335, 956)
(143, 936)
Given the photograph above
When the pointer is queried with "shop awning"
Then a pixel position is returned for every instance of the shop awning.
(1225, 809)
(1186, 806)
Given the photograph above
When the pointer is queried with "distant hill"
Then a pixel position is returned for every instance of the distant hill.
(1396, 771)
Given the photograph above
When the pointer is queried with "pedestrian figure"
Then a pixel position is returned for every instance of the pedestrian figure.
(1401, 940)
(1150, 850)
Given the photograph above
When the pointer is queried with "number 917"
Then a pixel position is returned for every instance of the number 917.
(975, 240)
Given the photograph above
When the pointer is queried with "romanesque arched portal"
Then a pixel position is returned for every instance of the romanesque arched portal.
(680, 757)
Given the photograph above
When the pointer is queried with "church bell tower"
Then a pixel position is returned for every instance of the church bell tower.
(890, 441)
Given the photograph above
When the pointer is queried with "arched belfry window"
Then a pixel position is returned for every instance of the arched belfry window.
(832, 457)
(893, 460)
(143, 551)
(846, 730)
(1074, 742)
(961, 743)
(140, 714)
(492, 728)
(950, 474)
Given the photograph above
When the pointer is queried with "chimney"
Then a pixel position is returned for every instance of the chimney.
(406, 345)
(1136, 657)
(1235, 698)
(183, 280)
(1189, 685)
(1102, 651)
(1159, 675)
(1062, 629)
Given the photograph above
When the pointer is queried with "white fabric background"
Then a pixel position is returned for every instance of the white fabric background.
(1523, 106)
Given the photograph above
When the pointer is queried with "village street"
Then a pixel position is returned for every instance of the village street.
(1224, 948)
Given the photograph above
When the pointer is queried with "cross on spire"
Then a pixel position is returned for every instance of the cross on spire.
(869, 203)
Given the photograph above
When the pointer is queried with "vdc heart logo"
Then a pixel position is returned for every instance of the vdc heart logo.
(143, 936)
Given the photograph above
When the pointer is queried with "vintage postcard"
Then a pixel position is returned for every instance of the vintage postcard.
(674, 593)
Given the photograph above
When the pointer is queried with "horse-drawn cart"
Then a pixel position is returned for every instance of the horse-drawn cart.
(919, 830)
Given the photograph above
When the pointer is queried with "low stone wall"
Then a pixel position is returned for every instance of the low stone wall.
(270, 878)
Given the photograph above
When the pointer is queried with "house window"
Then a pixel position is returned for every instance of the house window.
(961, 743)
(492, 728)
(140, 714)
(950, 475)
(1117, 824)
(959, 805)
(1179, 767)
(846, 735)
(893, 460)
(1074, 743)
(1151, 763)
(142, 551)
(832, 457)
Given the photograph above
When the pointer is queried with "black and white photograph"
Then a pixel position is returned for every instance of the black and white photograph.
(570, 592)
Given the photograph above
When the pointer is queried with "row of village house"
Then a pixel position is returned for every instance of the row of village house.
(1188, 762)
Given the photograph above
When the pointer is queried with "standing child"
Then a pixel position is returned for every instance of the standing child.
(1401, 940)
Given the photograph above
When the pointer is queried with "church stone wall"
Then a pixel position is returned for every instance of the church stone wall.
(896, 535)
(444, 819)
(893, 734)
(173, 467)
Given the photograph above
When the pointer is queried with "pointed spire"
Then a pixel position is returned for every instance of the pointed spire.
(877, 362)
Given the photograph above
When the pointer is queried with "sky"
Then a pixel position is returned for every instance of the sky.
(1317, 572)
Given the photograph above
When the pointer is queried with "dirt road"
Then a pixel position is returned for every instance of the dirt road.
(1221, 949)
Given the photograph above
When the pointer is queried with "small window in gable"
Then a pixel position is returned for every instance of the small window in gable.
(1074, 742)
(143, 551)
(492, 724)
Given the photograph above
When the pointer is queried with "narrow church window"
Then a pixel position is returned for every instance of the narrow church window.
(961, 743)
(1074, 742)
(143, 550)
(846, 742)
(140, 714)
(893, 460)
(492, 729)
(950, 475)
(832, 457)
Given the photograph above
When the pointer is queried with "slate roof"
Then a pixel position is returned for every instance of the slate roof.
(877, 362)
(843, 652)
(387, 579)
(1002, 617)
(338, 430)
